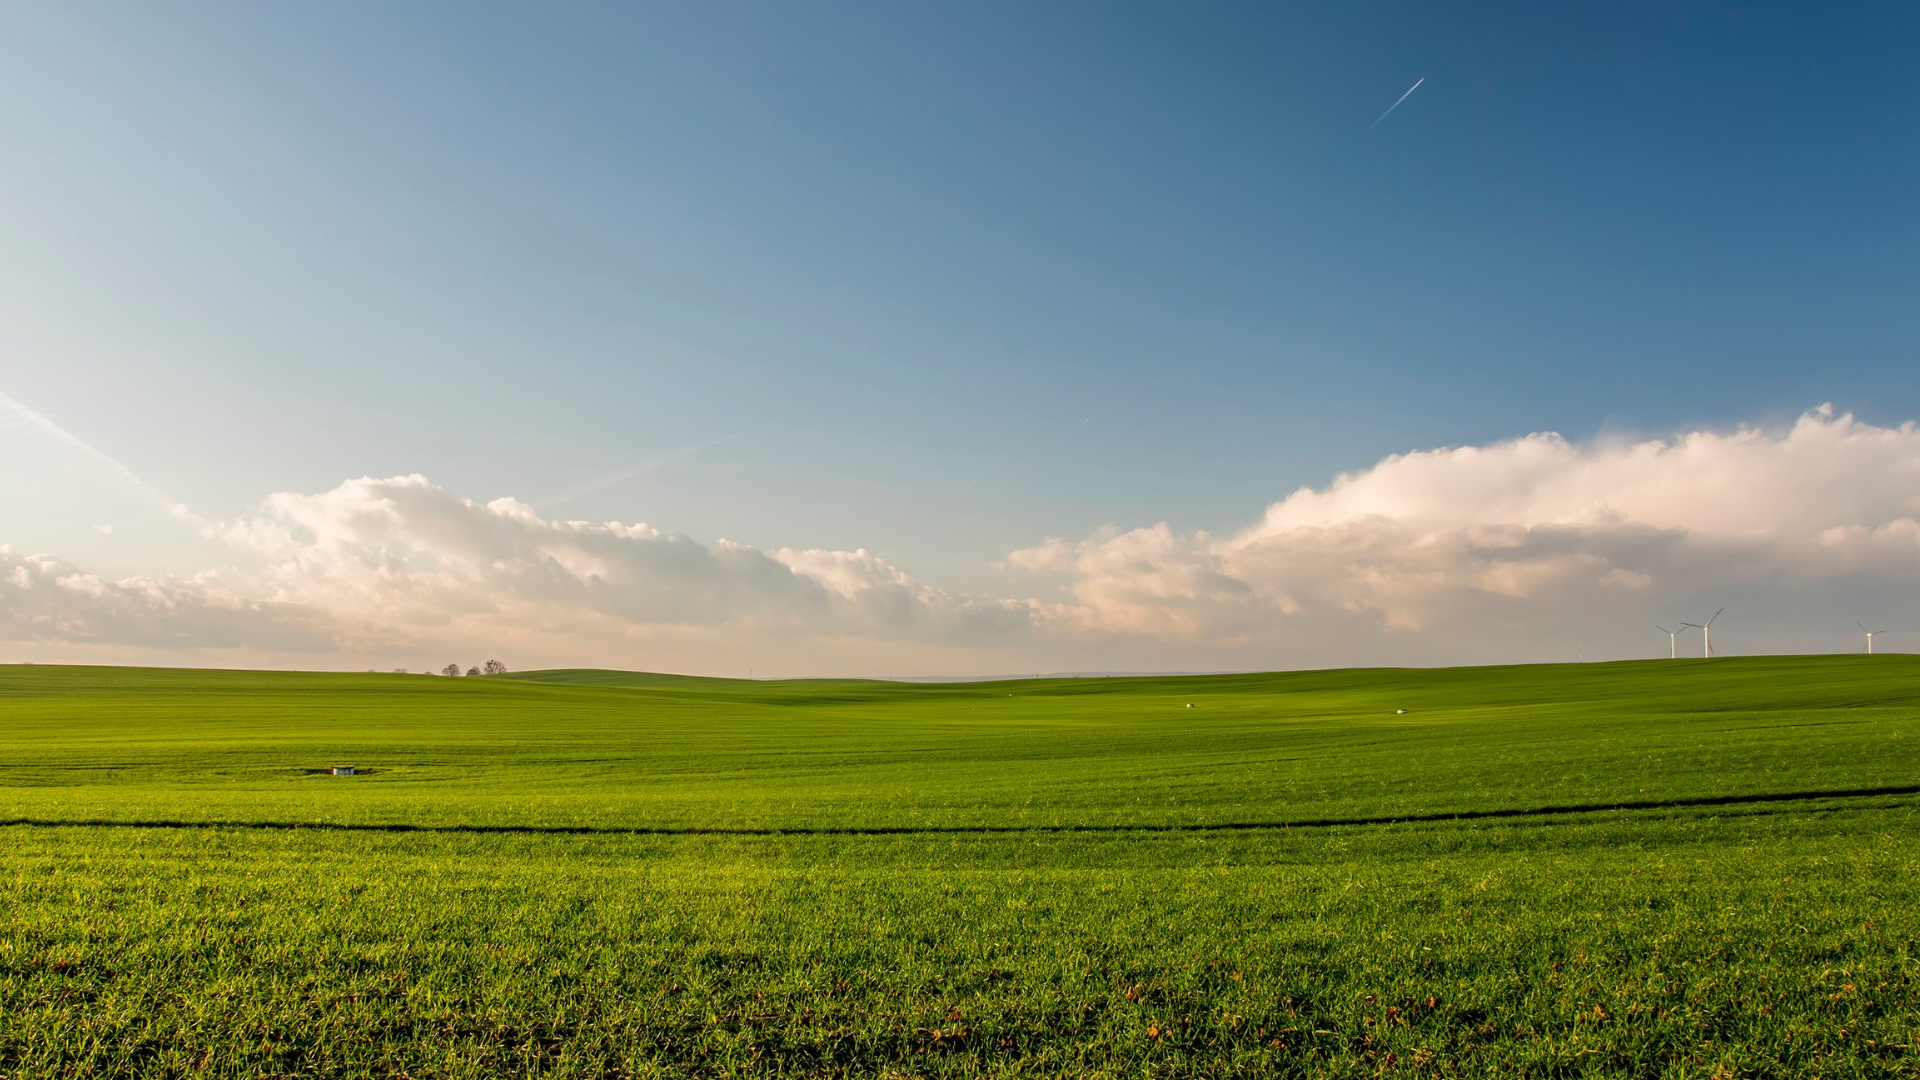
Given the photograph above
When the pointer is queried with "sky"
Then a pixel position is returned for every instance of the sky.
(883, 339)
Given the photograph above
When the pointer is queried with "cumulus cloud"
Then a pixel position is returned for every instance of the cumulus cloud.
(390, 555)
(385, 556)
(379, 565)
(1422, 557)
(47, 599)
(1423, 538)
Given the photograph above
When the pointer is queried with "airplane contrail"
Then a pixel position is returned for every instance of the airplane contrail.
(1395, 105)
(14, 414)
(969, 484)
(630, 472)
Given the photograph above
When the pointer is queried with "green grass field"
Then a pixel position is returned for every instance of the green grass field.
(1687, 868)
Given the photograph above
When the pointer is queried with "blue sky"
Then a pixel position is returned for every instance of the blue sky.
(937, 283)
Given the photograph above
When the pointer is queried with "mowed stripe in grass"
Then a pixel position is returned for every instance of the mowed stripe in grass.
(1624, 869)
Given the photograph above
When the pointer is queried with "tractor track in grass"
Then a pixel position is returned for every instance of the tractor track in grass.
(961, 830)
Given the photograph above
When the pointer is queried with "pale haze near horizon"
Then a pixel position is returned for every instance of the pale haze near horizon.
(857, 340)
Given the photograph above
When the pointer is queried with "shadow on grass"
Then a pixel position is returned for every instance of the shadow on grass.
(912, 830)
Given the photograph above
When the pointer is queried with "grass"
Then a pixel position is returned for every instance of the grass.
(1680, 868)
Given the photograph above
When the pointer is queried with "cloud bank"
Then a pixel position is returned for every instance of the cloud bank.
(1535, 525)
(400, 566)
(1424, 556)
(43, 598)
(403, 556)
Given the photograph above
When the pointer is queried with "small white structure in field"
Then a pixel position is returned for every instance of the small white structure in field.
(343, 770)
(1189, 704)
(1399, 712)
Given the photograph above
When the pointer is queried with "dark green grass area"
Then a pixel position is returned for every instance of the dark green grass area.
(1645, 869)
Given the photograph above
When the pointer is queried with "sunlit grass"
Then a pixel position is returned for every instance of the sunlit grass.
(1691, 868)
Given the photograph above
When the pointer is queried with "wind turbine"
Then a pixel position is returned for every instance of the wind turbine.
(1869, 633)
(1706, 633)
(1673, 640)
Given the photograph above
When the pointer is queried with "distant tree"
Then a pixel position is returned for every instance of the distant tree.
(473, 671)
(450, 669)
(495, 667)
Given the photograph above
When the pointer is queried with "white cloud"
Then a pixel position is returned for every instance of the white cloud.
(398, 565)
(47, 599)
(1469, 553)
(394, 554)
(1426, 539)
